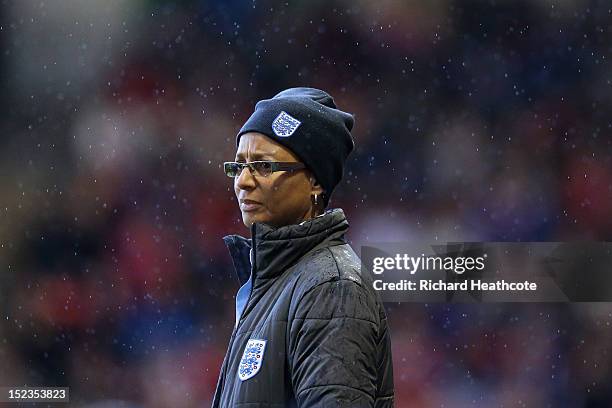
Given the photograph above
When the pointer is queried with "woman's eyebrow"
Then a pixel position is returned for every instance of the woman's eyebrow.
(256, 155)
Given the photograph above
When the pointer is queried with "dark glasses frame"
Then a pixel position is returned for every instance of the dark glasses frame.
(261, 167)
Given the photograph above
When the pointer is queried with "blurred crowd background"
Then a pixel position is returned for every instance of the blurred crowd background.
(476, 121)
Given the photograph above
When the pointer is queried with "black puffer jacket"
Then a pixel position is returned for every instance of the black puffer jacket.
(313, 332)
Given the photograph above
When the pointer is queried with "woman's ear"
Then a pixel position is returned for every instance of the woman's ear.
(315, 187)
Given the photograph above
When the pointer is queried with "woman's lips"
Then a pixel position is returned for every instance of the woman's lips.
(248, 205)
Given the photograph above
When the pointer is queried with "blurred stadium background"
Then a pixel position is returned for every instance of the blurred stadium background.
(483, 121)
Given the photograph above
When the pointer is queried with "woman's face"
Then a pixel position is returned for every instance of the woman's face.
(283, 197)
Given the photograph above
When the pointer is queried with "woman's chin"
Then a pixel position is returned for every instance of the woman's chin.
(249, 218)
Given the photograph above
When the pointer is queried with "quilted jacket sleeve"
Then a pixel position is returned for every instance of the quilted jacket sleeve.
(333, 346)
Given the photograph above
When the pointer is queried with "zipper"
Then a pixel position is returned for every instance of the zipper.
(222, 375)
(252, 277)
(230, 345)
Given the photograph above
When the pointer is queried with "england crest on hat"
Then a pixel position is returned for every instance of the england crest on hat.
(285, 125)
(252, 358)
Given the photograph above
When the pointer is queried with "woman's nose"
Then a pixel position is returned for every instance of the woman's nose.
(245, 179)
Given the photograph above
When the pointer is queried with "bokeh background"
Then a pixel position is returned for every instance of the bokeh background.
(482, 121)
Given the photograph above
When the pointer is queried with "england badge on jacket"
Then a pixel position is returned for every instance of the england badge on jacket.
(251, 359)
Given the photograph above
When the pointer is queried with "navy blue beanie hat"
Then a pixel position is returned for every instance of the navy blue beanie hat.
(307, 122)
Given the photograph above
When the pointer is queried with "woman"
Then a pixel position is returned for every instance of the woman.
(310, 331)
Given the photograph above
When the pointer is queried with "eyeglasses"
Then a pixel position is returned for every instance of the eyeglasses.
(261, 168)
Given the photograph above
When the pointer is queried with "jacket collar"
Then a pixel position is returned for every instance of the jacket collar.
(275, 249)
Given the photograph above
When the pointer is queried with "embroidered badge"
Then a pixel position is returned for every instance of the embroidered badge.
(251, 359)
(285, 125)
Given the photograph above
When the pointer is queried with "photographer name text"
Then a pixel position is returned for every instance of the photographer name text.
(440, 285)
